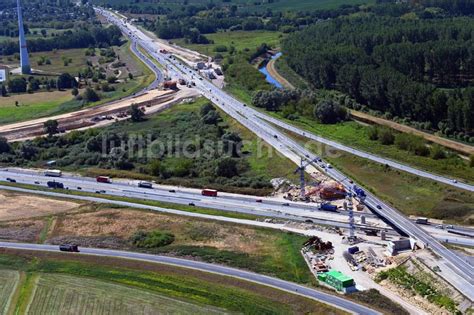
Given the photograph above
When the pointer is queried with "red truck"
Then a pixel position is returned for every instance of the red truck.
(103, 179)
(209, 192)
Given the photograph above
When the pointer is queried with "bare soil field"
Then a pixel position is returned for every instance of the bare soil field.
(15, 206)
(21, 230)
(113, 226)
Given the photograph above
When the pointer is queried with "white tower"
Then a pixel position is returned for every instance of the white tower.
(24, 59)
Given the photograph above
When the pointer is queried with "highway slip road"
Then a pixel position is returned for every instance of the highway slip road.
(217, 269)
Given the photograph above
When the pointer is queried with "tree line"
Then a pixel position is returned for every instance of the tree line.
(417, 69)
(93, 37)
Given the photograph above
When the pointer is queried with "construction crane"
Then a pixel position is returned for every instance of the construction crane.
(301, 169)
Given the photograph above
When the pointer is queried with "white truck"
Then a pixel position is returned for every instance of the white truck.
(53, 173)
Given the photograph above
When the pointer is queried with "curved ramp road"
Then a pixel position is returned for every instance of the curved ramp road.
(460, 275)
(217, 269)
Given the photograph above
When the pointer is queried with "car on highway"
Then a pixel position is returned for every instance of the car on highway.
(79, 188)
(10, 179)
(275, 136)
(37, 182)
(379, 207)
(172, 191)
(259, 200)
(191, 204)
(286, 204)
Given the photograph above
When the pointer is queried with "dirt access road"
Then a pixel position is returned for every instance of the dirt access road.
(453, 145)
(152, 102)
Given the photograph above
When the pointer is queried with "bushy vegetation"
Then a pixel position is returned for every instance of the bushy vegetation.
(411, 282)
(192, 146)
(152, 239)
(295, 103)
(374, 297)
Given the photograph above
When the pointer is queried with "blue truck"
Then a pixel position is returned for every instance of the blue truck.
(359, 192)
(328, 207)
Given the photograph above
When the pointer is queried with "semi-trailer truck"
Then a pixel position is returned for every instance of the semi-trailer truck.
(53, 173)
(209, 192)
(103, 179)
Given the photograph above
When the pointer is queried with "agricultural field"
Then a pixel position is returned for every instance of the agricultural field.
(32, 105)
(8, 282)
(56, 284)
(64, 294)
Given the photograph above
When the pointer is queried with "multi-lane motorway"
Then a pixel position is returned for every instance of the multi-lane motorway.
(294, 288)
(266, 207)
(462, 275)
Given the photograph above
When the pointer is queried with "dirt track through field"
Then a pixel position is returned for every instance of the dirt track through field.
(274, 73)
(453, 145)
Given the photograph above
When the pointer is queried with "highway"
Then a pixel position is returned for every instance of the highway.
(291, 287)
(365, 155)
(462, 276)
(267, 207)
(227, 202)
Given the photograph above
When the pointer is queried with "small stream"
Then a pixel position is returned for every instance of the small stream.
(268, 77)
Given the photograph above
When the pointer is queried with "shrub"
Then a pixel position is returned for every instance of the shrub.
(437, 152)
(373, 133)
(152, 239)
(386, 136)
(330, 112)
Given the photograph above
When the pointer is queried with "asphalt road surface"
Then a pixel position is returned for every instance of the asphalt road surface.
(217, 269)
(462, 275)
(266, 207)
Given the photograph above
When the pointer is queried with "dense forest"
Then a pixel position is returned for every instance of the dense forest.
(420, 69)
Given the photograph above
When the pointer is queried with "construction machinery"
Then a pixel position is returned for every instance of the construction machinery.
(301, 169)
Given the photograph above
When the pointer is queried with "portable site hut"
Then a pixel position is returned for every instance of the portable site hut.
(338, 280)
